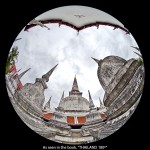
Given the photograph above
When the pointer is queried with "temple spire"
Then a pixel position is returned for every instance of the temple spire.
(95, 59)
(75, 85)
(19, 70)
(91, 105)
(61, 99)
(47, 105)
(21, 74)
(48, 74)
(62, 95)
(100, 102)
(75, 89)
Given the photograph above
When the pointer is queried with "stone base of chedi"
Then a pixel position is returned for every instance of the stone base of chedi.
(76, 120)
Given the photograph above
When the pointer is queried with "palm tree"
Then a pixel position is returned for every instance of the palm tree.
(11, 58)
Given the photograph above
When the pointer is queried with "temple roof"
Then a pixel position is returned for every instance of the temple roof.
(78, 15)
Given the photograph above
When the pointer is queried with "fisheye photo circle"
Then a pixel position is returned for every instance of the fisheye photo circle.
(74, 75)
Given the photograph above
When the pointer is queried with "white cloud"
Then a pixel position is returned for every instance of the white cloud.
(41, 49)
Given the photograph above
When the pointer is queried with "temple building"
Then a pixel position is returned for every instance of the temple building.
(76, 120)
(122, 81)
(74, 109)
(14, 78)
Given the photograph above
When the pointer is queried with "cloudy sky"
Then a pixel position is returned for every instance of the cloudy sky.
(41, 49)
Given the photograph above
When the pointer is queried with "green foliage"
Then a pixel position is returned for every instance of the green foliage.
(13, 55)
(140, 61)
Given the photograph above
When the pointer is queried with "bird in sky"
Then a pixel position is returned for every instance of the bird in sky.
(79, 16)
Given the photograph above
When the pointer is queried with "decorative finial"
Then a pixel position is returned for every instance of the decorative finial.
(21, 74)
(62, 95)
(95, 59)
(61, 99)
(91, 106)
(47, 105)
(75, 89)
(100, 102)
(89, 95)
(75, 84)
(48, 74)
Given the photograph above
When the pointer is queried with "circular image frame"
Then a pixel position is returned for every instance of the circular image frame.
(77, 120)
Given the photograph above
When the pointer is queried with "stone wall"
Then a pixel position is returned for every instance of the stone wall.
(133, 89)
(122, 83)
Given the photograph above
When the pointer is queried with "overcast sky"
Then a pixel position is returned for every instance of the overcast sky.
(41, 49)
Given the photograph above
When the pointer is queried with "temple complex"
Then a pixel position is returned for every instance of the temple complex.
(76, 119)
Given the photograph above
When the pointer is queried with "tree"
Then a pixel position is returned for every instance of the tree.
(13, 55)
(140, 61)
